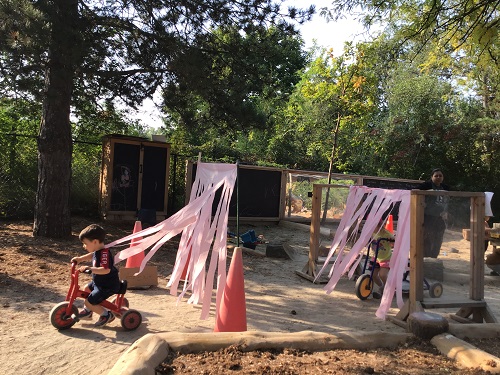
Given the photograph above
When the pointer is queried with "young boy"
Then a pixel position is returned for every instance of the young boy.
(105, 281)
(381, 264)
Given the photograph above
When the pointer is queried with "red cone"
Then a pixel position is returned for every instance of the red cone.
(184, 271)
(135, 260)
(232, 314)
(389, 225)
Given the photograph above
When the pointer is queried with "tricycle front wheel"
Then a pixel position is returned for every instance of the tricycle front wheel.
(131, 319)
(58, 317)
(364, 286)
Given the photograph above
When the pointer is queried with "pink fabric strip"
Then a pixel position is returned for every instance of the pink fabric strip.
(380, 200)
(199, 232)
(205, 234)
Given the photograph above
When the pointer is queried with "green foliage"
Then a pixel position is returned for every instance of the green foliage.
(337, 197)
(454, 23)
(96, 121)
(19, 122)
(211, 89)
(323, 118)
(18, 169)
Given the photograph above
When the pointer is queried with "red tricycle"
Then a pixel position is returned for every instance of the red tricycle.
(65, 314)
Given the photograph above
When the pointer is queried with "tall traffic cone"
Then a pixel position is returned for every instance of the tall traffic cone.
(186, 266)
(135, 260)
(389, 225)
(232, 314)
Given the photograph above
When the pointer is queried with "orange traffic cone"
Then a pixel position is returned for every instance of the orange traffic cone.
(184, 271)
(389, 225)
(135, 260)
(232, 314)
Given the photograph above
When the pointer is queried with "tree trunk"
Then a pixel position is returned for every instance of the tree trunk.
(330, 168)
(52, 212)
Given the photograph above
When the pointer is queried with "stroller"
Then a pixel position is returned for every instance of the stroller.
(364, 283)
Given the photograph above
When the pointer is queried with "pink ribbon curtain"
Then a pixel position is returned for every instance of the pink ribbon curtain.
(202, 234)
(359, 201)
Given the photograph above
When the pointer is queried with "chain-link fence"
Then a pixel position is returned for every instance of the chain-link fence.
(18, 175)
(19, 170)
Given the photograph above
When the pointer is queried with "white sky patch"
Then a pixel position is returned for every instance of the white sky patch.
(327, 34)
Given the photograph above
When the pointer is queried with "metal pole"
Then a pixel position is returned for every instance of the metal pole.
(238, 203)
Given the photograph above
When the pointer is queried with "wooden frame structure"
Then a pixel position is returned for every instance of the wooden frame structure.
(282, 192)
(471, 309)
(475, 306)
(133, 150)
(310, 270)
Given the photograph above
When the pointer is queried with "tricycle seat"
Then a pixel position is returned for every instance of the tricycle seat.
(123, 287)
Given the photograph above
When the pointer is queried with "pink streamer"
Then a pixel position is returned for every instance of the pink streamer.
(199, 234)
(380, 201)
(205, 234)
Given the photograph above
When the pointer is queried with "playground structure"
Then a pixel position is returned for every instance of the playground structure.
(474, 306)
(134, 176)
(268, 194)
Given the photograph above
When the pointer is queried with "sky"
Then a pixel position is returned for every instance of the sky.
(329, 34)
(326, 34)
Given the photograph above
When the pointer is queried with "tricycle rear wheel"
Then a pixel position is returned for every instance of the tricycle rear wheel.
(58, 317)
(125, 302)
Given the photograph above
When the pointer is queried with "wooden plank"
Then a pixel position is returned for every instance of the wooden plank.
(148, 277)
(321, 280)
(404, 312)
(437, 303)
(477, 315)
(459, 319)
(398, 322)
(315, 224)
(464, 312)
(488, 315)
(463, 194)
(416, 307)
(141, 175)
(167, 179)
(476, 284)
(416, 249)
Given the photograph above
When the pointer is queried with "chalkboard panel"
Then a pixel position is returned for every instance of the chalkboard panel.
(390, 184)
(259, 193)
(125, 177)
(153, 178)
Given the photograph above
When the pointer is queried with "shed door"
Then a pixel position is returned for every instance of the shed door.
(153, 178)
(125, 177)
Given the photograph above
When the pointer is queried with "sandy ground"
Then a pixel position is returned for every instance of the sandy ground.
(34, 276)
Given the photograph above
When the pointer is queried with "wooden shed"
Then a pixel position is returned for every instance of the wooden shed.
(134, 177)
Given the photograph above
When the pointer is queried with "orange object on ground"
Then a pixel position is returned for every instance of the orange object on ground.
(232, 314)
(389, 225)
(135, 260)
(184, 271)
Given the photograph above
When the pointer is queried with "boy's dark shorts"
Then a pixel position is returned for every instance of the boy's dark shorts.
(97, 294)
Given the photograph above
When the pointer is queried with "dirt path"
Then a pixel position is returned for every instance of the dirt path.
(34, 276)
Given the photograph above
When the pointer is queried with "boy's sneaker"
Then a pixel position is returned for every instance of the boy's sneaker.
(105, 319)
(85, 314)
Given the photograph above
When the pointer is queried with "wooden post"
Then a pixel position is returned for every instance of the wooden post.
(141, 171)
(476, 284)
(315, 229)
(416, 251)
(475, 304)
